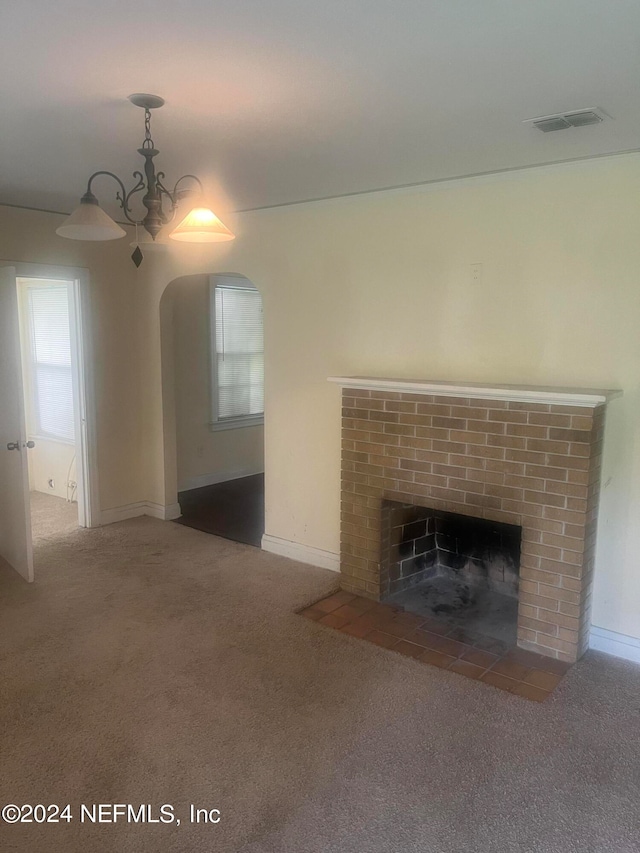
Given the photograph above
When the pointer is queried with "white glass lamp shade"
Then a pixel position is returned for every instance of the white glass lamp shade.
(201, 225)
(89, 222)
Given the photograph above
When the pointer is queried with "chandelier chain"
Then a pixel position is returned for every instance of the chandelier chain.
(148, 141)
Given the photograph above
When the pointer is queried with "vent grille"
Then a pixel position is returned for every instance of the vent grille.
(562, 121)
(546, 125)
(582, 119)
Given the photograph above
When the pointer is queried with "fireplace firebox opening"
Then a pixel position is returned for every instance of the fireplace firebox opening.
(458, 568)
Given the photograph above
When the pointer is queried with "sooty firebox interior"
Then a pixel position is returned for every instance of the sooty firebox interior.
(454, 567)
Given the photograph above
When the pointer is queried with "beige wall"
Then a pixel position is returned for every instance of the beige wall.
(51, 460)
(382, 285)
(203, 456)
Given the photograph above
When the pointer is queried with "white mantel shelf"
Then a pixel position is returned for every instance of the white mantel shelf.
(588, 397)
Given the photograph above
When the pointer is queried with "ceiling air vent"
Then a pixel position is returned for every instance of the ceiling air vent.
(546, 125)
(561, 121)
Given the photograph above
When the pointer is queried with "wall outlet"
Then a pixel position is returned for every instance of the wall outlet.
(200, 451)
(51, 483)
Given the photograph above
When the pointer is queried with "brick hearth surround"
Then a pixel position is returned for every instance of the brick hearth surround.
(520, 461)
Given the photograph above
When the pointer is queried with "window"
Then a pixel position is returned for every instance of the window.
(47, 315)
(237, 350)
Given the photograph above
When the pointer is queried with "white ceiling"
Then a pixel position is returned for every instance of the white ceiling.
(275, 101)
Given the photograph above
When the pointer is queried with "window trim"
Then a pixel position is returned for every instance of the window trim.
(217, 424)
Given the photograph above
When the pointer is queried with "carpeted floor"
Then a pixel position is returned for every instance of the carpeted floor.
(51, 517)
(151, 663)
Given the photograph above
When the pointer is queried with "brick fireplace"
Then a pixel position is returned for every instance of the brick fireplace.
(521, 456)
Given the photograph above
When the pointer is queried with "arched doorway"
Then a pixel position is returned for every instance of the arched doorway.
(212, 364)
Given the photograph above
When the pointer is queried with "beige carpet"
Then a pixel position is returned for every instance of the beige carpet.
(51, 517)
(151, 663)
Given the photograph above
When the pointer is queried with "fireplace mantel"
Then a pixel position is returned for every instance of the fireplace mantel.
(586, 397)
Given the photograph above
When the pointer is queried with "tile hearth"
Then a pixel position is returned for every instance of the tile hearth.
(440, 643)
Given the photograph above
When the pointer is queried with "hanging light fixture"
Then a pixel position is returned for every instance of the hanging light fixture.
(90, 222)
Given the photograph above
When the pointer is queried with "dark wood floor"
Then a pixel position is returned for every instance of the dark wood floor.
(234, 510)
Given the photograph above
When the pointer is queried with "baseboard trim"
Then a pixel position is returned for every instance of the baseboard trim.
(615, 644)
(218, 477)
(135, 510)
(301, 553)
(165, 513)
(122, 513)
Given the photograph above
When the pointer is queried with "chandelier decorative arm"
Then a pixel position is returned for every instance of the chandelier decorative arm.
(122, 196)
(136, 189)
(162, 190)
(177, 195)
(191, 178)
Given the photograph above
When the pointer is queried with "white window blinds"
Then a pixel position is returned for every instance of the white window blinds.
(50, 351)
(239, 352)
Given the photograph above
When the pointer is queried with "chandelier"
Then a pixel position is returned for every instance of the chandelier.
(90, 222)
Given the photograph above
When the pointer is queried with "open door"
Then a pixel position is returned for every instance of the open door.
(15, 519)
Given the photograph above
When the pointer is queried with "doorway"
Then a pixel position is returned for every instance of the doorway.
(46, 387)
(213, 367)
(49, 346)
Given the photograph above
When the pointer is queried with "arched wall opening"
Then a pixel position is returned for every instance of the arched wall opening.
(198, 456)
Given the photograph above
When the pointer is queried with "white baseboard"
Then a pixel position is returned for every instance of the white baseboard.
(121, 513)
(614, 644)
(212, 479)
(301, 553)
(165, 513)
